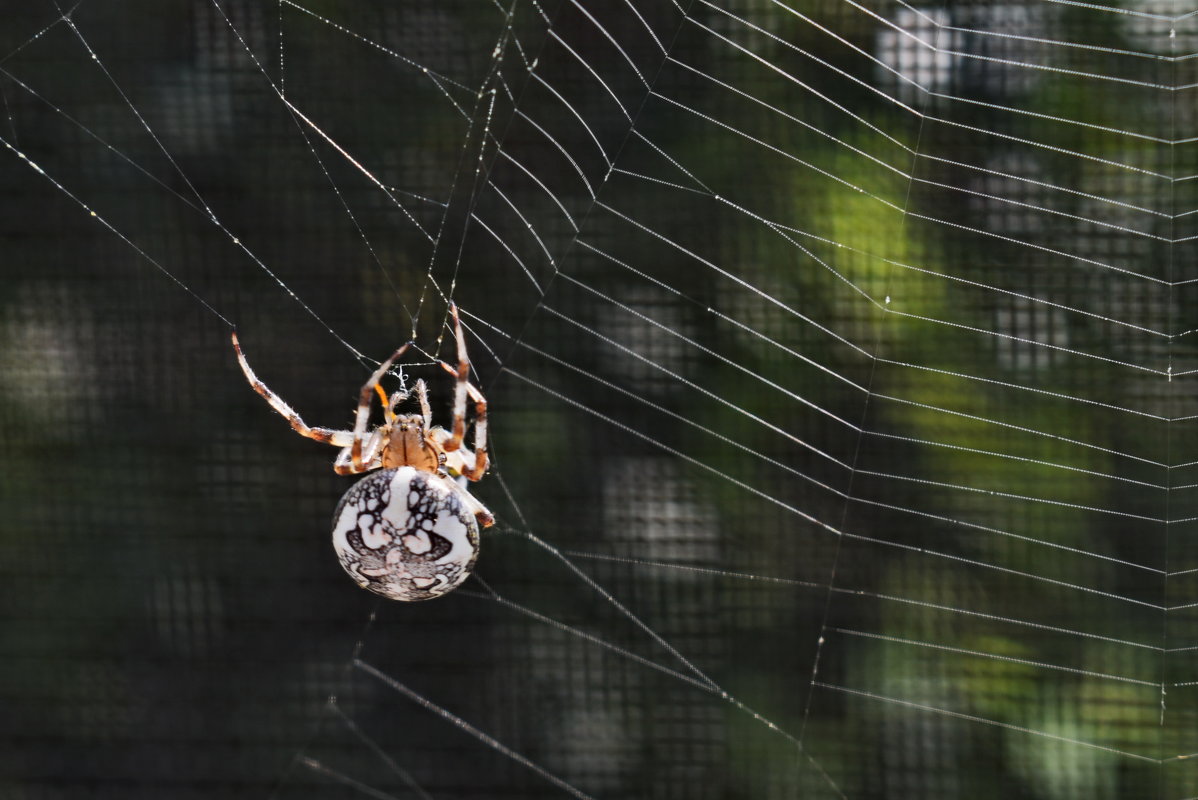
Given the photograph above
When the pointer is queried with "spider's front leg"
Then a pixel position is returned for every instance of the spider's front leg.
(327, 435)
(479, 467)
(462, 389)
(462, 373)
(363, 414)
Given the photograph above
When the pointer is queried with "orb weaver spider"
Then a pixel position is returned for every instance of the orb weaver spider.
(409, 530)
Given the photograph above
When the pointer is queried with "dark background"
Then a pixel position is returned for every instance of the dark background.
(838, 358)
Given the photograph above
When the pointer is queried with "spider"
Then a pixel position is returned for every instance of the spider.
(408, 531)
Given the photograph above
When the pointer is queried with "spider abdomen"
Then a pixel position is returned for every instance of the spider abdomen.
(404, 533)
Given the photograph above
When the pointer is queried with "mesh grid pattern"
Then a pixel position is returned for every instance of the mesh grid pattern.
(839, 358)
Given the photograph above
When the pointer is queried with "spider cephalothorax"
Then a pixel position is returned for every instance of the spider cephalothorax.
(409, 530)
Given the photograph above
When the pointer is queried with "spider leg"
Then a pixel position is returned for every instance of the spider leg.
(327, 435)
(387, 403)
(480, 435)
(462, 373)
(422, 398)
(363, 413)
(480, 512)
(471, 465)
(463, 389)
(344, 465)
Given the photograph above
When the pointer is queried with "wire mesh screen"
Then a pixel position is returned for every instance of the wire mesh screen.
(838, 359)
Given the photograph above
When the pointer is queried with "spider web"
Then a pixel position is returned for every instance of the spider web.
(839, 362)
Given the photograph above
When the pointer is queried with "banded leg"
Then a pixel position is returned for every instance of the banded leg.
(462, 373)
(344, 464)
(363, 414)
(462, 390)
(326, 435)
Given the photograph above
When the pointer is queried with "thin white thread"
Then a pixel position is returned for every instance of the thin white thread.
(463, 725)
(946, 712)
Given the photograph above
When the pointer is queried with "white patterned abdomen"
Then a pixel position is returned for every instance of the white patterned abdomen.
(405, 534)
